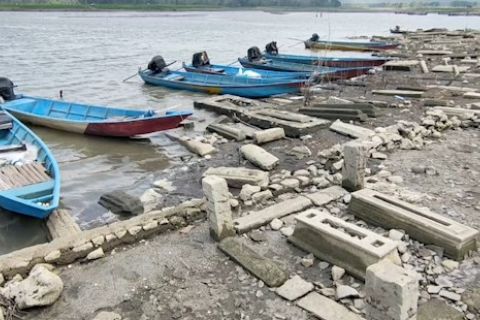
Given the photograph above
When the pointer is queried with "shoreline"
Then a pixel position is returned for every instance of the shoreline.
(193, 8)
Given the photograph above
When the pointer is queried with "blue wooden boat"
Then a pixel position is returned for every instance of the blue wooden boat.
(29, 174)
(323, 73)
(90, 119)
(157, 74)
(315, 43)
(244, 72)
(271, 52)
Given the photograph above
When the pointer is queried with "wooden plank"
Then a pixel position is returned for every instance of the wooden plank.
(34, 173)
(6, 177)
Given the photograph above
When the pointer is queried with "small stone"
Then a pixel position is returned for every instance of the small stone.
(337, 273)
(395, 179)
(379, 156)
(418, 169)
(98, 241)
(347, 198)
(96, 254)
(259, 294)
(328, 292)
(405, 257)
(323, 265)
(359, 304)
(450, 295)
(434, 289)
(247, 191)
(346, 292)
(287, 231)
(234, 203)
(257, 236)
(450, 265)
(290, 183)
(276, 224)
(104, 315)
(294, 288)
(260, 197)
(308, 261)
(53, 256)
(396, 235)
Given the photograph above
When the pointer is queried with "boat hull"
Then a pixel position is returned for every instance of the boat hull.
(123, 128)
(323, 73)
(36, 200)
(248, 91)
(331, 62)
(348, 47)
(232, 71)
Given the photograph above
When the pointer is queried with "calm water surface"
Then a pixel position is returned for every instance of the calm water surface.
(88, 54)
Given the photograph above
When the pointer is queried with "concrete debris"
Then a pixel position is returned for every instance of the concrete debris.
(351, 130)
(259, 157)
(294, 288)
(392, 292)
(105, 315)
(346, 292)
(325, 308)
(42, 287)
(268, 135)
(236, 177)
(261, 267)
(355, 163)
(219, 212)
(96, 254)
(337, 273)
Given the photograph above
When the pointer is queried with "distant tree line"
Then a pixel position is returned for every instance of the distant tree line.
(226, 3)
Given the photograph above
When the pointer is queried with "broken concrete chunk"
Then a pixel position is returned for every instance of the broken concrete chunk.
(420, 223)
(400, 93)
(327, 195)
(237, 176)
(351, 130)
(227, 131)
(294, 288)
(325, 308)
(259, 218)
(268, 135)
(259, 157)
(41, 288)
(263, 268)
(341, 243)
(219, 211)
(96, 254)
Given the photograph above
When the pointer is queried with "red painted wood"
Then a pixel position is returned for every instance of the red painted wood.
(134, 127)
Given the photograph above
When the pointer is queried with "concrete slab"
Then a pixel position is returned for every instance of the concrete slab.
(400, 65)
(420, 223)
(401, 93)
(452, 68)
(259, 156)
(368, 108)
(237, 176)
(341, 243)
(351, 130)
(259, 218)
(227, 131)
(335, 113)
(327, 195)
(263, 268)
(294, 288)
(326, 309)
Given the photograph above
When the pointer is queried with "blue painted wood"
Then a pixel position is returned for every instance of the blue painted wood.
(245, 72)
(26, 200)
(222, 84)
(354, 61)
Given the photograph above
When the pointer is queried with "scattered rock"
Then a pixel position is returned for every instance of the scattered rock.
(396, 235)
(287, 231)
(308, 261)
(257, 236)
(41, 288)
(395, 179)
(120, 202)
(323, 265)
(449, 295)
(337, 273)
(294, 288)
(104, 315)
(96, 254)
(247, 191)
(472, 300)
(438, 309)
(450, 265)
(276, 224)
(346, 292)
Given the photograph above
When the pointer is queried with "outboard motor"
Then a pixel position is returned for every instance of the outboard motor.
(315, 37)
(6, 89)
(254, 54)
(200, 59)
(157, 64)
(272, 48)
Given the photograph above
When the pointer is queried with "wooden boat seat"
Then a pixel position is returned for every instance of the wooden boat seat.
(12, 176)
(5, 121)
(13, 147)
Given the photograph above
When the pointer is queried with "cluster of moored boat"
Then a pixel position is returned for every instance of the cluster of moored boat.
(29, 174)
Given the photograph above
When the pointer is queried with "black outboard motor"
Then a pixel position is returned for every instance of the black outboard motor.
(254, 54)
(200, 59)
(6, 89)
(272, 48)
(157, 64)
(315, 37)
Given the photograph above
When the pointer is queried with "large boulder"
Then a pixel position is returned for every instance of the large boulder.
(41, 288)
(120, 202)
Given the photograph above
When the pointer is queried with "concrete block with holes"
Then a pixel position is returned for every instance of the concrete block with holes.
(342, 243)
(420, 223)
